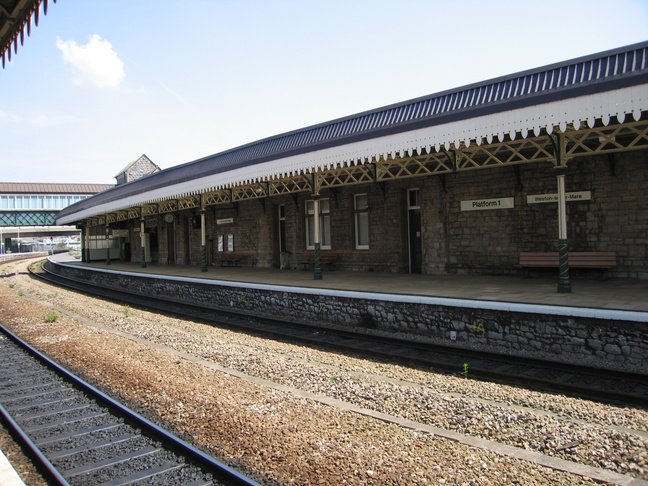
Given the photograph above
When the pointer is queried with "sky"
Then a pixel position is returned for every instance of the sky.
(101, 82)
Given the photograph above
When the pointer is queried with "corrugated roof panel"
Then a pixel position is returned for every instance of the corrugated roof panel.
(399, 114)
(418, 109)
(526, 85)
(344, 128)
(453, 101)
(378, 119)
(363, 122)
(355, 124)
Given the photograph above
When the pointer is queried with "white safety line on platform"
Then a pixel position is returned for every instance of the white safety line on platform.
(616, 315)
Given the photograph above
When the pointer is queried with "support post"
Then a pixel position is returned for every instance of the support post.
(107, 245)
(564, 285)
(88, 243)
(318, 266)
(143, 245)
(203, 242)
(84, 244)
(558, 142)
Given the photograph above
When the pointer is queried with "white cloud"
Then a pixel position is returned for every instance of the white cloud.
(95, 61)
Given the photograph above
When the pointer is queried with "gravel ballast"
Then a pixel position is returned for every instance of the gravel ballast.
(289, 414)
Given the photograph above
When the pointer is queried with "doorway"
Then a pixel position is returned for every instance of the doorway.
(415, 245)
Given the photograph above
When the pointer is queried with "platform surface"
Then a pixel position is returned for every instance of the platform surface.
(610, 294)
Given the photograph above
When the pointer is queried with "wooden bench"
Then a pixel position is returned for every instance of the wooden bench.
(230, 259)
(576, 259)
(326, 259)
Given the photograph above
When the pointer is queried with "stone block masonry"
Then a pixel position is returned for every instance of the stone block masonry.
(601, 339)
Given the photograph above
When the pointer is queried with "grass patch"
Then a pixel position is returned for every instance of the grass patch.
(51, 316)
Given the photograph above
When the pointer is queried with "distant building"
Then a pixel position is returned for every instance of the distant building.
(137, 169)
(29, 209)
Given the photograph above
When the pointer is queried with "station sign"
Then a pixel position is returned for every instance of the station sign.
(552, 198)
(225, 221)
(486, 204)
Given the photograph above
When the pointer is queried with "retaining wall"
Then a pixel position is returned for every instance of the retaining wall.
(10, 257)
(601, 338)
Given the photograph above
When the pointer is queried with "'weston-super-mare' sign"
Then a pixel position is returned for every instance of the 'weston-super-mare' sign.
(569, 197)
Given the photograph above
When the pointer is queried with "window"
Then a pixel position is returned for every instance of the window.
(325, 224)
(361, 213)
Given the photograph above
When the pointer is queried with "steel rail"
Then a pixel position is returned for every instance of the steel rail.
(219, 470)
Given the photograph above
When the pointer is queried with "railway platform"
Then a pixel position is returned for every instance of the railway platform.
(602, 323)
(612, 294)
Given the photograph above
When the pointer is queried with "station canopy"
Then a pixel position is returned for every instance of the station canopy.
(591, 105)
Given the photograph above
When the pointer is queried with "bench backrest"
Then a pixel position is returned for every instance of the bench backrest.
(591, 259)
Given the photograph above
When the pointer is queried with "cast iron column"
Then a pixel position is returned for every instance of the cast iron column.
(318, 267)
(107, 245)
(143, 245)
(84, 244)
(203, 243)
(564, 285)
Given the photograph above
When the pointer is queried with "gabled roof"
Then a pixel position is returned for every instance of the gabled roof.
(141, 159)
(599, 86)
(51, 188)
(15, 21)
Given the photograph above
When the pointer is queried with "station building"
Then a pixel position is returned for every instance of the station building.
(554, 159)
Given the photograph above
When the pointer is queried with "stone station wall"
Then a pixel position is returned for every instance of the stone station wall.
(566, 335)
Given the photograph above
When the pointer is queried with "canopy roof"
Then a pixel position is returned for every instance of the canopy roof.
(604, 86)
(15, 20)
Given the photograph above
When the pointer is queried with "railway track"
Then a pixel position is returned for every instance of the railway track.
(585, 382)
(77, 435)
